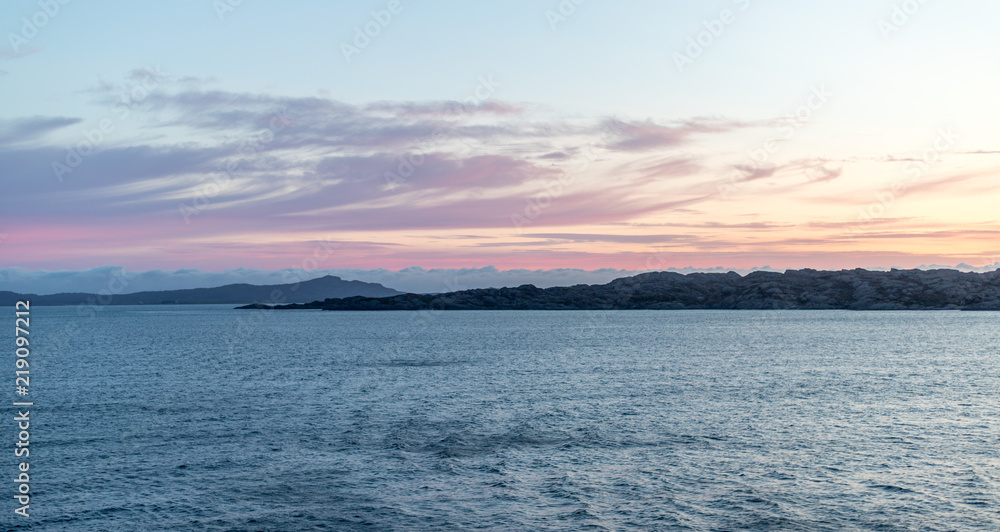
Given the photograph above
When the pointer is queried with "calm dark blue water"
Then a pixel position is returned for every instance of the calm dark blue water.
(207, 418)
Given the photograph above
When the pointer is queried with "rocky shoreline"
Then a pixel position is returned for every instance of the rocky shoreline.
(794, 289)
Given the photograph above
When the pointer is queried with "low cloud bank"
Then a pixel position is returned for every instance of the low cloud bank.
(118, 280)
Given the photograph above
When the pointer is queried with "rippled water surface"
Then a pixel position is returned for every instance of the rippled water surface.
(208, 418)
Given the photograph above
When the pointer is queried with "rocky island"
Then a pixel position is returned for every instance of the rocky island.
(794, 289)
(231, 294)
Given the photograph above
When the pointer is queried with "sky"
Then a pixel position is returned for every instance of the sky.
(571, 136)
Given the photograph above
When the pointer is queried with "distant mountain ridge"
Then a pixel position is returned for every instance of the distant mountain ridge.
(794, 289)
(236, 294)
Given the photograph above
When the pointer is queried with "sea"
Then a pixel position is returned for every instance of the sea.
(203, 417)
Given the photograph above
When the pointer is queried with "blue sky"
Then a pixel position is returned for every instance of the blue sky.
(605, 58)
(608, 147)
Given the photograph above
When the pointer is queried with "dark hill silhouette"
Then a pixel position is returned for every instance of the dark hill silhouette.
(236, 294)
(794, 289)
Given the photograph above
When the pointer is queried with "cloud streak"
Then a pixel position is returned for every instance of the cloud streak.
(32, 128)
(394, 182)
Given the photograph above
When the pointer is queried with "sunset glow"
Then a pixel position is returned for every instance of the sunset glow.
(799, 136)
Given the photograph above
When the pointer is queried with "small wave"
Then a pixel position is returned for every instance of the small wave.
(893, 489)
(402, 363)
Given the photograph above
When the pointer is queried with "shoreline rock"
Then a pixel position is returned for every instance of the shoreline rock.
(805, 289)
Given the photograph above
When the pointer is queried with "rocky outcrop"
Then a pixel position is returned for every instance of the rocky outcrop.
(232, 294)
(794, 289)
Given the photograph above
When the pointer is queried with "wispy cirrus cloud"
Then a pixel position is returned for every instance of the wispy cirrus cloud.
(627, 239)
(477, 163)
(379, 174)
(648, 135)
(32, 128)
(445, 108)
